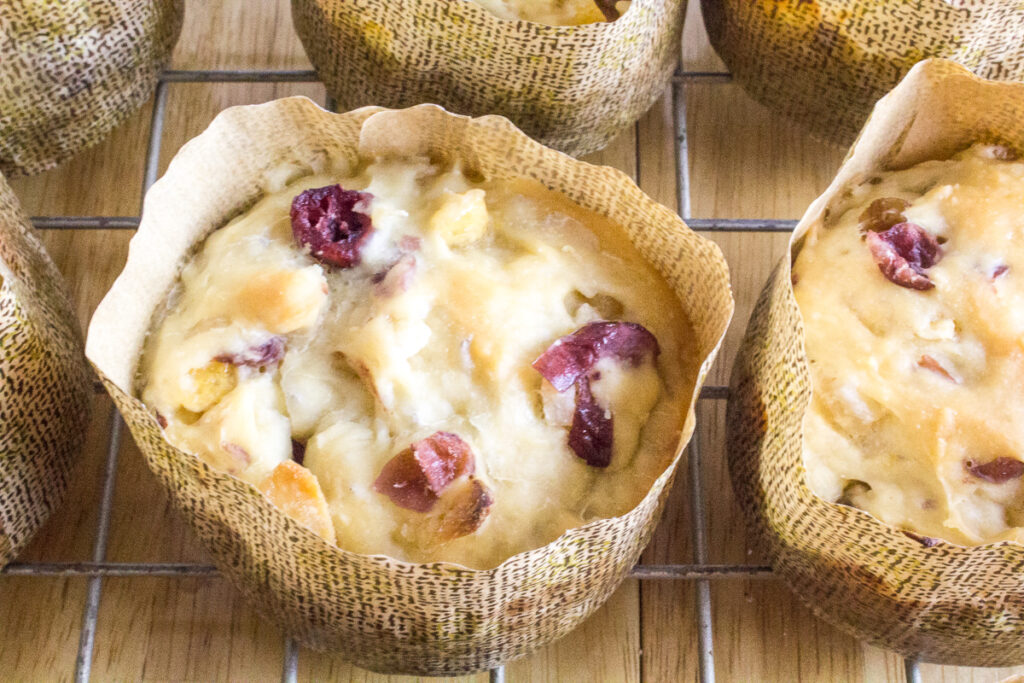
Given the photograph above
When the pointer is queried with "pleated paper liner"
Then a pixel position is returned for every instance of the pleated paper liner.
(381, 613)
(72, 70)
(574, 88)
(45, 384)
(824, 63)
(947, 603)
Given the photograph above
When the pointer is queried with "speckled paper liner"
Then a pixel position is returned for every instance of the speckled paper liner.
(72, 70)
(44, 382)
(381, 613)
(947, 604)
(571, 87)
(824, 63)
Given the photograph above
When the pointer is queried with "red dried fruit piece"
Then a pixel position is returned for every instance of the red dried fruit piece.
(334, 223)
(574, 355)
(263, 355)
(929, 363)
(903, 252)
(996, 471)
(298, 451)
(395, 278)
(883, 213)
(415, 478)
(608, 9)
(592, 433)
(999, 271)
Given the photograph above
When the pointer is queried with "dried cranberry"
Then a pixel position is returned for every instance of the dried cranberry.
(415, 478)
(574, 355)
(903, 252)
(263, 355)
(591, 435)
(334, 223)
(883, 213)
(999, 271)
(996, 471)
(571, 360)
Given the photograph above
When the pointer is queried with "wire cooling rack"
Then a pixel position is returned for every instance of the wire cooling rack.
(699, 572)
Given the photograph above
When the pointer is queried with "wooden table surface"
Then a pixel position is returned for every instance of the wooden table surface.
(744, 163)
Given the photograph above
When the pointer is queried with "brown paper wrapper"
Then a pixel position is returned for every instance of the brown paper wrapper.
(384, 614)
(824, 63)
(44, 382)
(571, 87)
(72, 71)
(946, 603)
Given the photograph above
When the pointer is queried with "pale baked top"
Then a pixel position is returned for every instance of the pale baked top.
(912, 295)
(467, 370)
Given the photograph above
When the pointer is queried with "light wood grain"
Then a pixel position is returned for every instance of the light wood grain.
(744, 163)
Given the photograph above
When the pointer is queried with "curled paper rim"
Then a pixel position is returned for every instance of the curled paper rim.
(405, 70)
(53, 394)
(871, 597)
(115, 354)
(109, 95)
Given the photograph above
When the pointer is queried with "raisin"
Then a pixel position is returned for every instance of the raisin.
(883, 213)
(333, 223)
(998, 471)
(415, 478)
(903, 253)
(298, 452)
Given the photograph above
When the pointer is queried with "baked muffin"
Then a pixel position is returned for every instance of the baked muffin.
(416, 362)
(557, 12)
(911, 294)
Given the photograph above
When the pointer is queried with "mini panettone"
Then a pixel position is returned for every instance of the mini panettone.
(418, 383)
(71, 71)
(873, 420)
(45, 384)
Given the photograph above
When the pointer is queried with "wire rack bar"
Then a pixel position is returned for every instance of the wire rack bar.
(700, 571)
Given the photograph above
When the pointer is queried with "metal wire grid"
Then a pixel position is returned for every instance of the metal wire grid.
(700, 572)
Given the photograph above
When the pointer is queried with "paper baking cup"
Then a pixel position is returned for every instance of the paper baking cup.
(948, 603)
(571, 87)
(824, 63)
(72, 70)
(381, 613)
(44, 382)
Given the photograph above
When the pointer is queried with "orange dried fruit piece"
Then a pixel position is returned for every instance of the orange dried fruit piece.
(212, 382)
(296, 491)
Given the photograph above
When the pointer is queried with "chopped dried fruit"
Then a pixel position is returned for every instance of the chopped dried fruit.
(575, 355)
(415, 478)
(608, 9)
(996, 471)
(591, 436)
(212, 382)
(333, 223)
(883, 213)
(395, 278)
(298, 452)
(929, 363)
(570, 360)
(264, 355)
(468, 508)
(903, 253)
(296, 491)
(999, 271)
